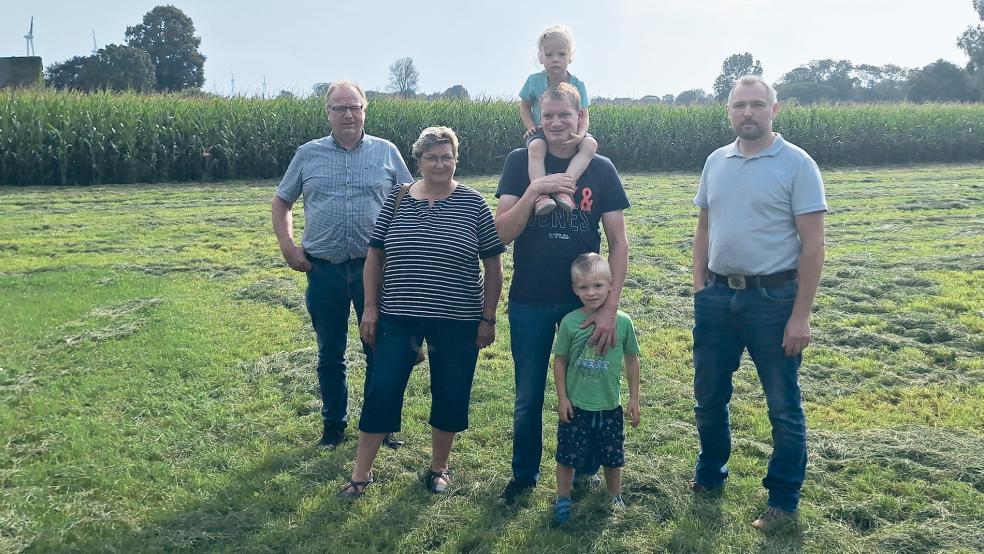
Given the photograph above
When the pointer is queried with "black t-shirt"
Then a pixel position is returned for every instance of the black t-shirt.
(544, 251)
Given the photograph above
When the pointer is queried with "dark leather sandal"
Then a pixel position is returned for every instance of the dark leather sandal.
(355, 489)
(438, 482)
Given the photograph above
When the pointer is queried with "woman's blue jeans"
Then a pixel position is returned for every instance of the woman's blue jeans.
(726, 323)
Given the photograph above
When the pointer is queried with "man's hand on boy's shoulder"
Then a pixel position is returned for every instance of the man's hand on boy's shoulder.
(634, 413)
(603, 336)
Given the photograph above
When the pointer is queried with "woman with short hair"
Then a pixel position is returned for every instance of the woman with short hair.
(422, 281)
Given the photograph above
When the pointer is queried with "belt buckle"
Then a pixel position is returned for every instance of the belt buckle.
(736, 282)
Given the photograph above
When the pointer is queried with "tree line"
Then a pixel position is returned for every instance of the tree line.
(161, 54)
(403, 83)
(830, 81)
(833, 81)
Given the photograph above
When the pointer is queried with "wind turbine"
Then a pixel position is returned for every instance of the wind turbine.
(30, 38)
(95, 49)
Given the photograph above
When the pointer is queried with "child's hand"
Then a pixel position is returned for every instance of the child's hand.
(573, 140)
(529, 133)
(634, 413)
(565, 410)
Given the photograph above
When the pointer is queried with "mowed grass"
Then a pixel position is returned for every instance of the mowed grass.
(158, 388)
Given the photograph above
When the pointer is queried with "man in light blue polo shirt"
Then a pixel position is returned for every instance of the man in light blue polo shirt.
(344, 179)
(758, 255)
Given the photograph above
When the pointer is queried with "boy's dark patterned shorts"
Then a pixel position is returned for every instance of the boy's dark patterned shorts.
(592, 438)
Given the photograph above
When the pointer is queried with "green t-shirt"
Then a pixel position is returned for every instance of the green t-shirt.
(593, 380)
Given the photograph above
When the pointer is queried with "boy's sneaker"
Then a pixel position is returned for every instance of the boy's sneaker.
(773, 518)
(514, 489)
(617, 504)
(564, 201)
(544, 205)
(562, 510)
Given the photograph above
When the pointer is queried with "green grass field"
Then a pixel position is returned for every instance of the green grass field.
(157, 389)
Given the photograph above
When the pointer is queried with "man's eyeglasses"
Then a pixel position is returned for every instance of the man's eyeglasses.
(446, 159)
(340, 110)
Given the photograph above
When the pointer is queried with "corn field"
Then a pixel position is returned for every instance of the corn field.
(66, 138)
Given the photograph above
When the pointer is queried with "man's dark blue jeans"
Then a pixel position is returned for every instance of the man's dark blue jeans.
(332, 289)
(726, 323)
(531, 335)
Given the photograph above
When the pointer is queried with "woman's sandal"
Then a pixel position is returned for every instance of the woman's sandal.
(355, 489)
(438, 482)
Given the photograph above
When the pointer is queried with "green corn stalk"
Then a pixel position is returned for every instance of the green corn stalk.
(71, 138)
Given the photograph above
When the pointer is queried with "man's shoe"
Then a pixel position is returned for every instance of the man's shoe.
(331, 436)
(544, 205)
(773, 518)
(697, 487)
(617, 504)
(391, 441)
(514, 489)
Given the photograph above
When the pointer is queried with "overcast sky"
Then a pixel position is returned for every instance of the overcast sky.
(624, 48)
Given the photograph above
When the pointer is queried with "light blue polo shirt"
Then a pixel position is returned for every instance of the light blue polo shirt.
(752, 203)
(537, 83)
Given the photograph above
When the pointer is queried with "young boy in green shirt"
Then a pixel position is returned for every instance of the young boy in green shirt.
(588, 391)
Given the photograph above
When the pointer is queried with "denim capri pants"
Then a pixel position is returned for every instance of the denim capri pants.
(452, 355)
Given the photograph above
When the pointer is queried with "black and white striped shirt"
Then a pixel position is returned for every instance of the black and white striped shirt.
(432, 255)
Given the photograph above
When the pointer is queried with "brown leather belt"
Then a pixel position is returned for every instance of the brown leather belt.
(739, 282)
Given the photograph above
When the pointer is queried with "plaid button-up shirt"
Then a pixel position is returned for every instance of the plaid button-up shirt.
(343, 192)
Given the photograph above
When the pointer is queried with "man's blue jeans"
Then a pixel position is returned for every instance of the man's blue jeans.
(332, 288)
(531, 335)
(726, 323)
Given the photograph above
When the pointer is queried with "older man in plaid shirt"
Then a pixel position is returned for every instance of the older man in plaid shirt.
(344, 179)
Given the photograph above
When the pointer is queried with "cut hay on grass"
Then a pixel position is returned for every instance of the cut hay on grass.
(276, 291)
(158, 390)
(104, 323)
